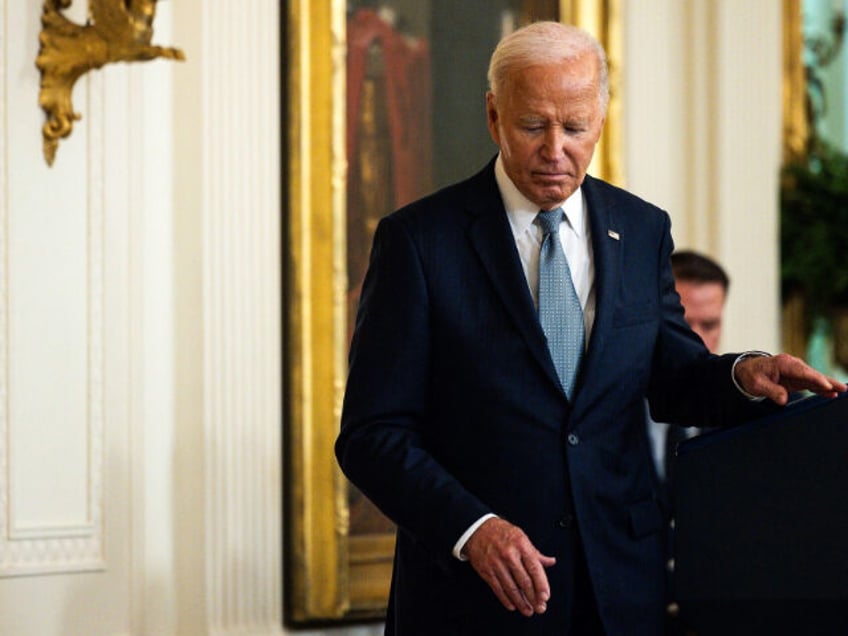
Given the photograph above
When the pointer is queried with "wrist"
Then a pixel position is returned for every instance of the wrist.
(737, 383)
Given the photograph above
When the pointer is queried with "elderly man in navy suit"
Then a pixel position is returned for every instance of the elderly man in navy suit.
(517, 474)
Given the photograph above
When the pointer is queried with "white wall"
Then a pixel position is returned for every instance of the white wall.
(65, 518)
(703, 140)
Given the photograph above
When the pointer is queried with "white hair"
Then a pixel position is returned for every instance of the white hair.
(545, 43)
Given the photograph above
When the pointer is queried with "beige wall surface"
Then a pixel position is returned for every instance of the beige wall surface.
(702, 95)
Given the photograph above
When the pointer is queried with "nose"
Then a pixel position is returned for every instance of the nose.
(553, 145)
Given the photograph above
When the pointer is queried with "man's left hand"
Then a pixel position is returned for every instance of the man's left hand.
(775, 377)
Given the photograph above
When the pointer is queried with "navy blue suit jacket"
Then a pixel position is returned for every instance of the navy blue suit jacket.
(453, 409)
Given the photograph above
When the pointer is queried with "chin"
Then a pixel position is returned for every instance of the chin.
(554, 193)
(549, 199)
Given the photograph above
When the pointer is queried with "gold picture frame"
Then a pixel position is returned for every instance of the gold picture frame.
(795, 132)
(330, 575)
(795, 135)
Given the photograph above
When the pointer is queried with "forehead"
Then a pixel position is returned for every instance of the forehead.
(569, 84)
(697, 294)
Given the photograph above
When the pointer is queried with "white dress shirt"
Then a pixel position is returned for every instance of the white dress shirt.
(575, 235)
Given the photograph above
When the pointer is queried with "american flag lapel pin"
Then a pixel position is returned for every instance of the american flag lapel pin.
(614, 235)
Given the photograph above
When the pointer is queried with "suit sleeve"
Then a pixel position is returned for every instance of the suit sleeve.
(689, 385)
(382, 446)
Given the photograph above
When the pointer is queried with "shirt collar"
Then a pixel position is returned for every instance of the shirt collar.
(522, 212)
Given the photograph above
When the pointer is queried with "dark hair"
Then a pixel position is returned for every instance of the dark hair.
(697, 268)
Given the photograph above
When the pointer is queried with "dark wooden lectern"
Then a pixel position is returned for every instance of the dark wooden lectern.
(761, 530)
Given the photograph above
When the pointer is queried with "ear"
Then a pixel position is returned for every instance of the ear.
(492, 117)
(600, 130)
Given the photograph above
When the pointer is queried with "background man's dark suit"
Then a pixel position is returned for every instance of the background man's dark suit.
(453, 408)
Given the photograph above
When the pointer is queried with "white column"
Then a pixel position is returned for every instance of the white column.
(748, 148)
(230, 357)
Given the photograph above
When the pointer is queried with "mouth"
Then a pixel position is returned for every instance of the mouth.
(551, 176)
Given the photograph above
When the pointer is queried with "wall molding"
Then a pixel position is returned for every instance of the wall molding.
(28, 548)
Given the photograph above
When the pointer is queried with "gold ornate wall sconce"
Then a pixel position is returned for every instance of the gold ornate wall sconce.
(116, 31)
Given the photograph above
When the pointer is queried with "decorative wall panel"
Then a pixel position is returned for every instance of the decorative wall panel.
(51, 332)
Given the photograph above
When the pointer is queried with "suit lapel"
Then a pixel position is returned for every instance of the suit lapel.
(607, 241)
(491, 237)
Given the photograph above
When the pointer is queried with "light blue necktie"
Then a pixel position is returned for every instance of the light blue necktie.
(559, 308)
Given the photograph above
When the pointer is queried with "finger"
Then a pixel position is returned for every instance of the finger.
(763, 386)
(501, 594)
(824, 387)
(777, 394)
(519, 598)
(538, 579)
(508, 576)
(525, 583)
(513, 592)
(830, 386)
(795, 374)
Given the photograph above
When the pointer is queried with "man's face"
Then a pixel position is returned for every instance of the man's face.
(547, 122)
(703, 304)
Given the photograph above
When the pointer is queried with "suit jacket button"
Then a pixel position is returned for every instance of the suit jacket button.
(573, 439)
(566, 521)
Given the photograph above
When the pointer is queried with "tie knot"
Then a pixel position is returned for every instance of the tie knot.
(549, 220)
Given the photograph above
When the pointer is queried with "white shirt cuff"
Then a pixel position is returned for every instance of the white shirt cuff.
(457, 548)
(747, 354)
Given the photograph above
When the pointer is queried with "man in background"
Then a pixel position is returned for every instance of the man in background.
(702, 285)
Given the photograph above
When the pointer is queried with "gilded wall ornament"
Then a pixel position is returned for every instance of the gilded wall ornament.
(116, 31)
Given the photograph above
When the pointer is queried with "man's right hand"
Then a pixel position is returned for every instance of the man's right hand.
(512, 566)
